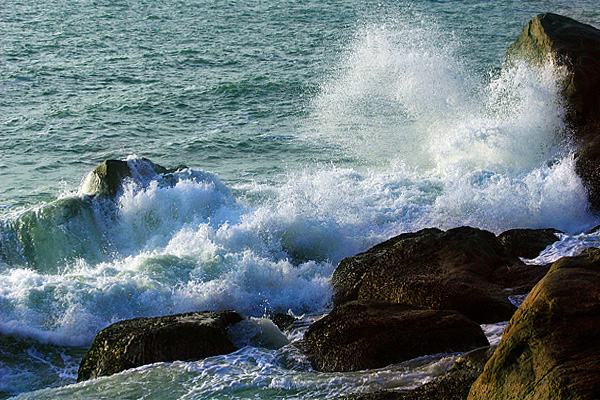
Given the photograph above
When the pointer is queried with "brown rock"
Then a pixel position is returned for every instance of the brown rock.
(140, 341)
(575, 47)
(528, 243)
(368, 334)
(551, 347)
(453, 270)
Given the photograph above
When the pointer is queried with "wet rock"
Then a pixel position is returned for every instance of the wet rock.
(551, 347)
(140, 341)
(528, 243)
(282, 321)
(369, 334)
(454, 385)
(45, 236)
(575, 47)
(453, 270)
(519, 279)
(107, 178)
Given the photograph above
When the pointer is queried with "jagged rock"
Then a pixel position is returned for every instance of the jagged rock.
(528, 243)
(453, 270)
(454, 385)
(575, 47)
(140, 341)
(370, 334)
(551, 347)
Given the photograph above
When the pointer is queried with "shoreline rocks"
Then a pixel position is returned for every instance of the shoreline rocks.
(140, 341)
(528, 243)
(452, 270)
(453, 385)
(551, 347)
(370, 334)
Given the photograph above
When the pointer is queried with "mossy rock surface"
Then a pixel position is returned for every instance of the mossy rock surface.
(551, 347)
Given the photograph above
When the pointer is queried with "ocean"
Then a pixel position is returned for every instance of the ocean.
(306, 131)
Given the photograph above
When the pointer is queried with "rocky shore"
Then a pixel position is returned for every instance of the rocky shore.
(426, 292)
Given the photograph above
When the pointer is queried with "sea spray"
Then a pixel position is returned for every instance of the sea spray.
(493, 151)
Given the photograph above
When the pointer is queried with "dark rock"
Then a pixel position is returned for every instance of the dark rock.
(370, 334)
(132, 343)
(593, 230)
(576, 48)
(519, 279)
(282, 321)
(451, 270)
(551, 347)
(454, 385)
(528, 243)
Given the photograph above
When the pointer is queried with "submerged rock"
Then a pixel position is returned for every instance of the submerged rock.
(575, 47)
(44, 237)
(453, 270)
(528, 243)
(140, 341)
(454, 385)
(369, 334)
(551, 347)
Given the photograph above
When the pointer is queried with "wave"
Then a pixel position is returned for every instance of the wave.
(432, 144)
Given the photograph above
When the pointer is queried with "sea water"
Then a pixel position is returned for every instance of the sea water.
(305, 131)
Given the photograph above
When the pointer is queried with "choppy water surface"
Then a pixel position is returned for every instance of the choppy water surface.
(309, 131)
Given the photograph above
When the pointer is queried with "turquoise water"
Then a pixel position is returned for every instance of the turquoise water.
(311, 130)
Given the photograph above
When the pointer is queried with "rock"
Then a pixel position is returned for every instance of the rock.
(453, 270)
(454, 385)
(551, 347)
(106, 179)
(528, 243)
(369, 334)
(140, 341)
(519, 279)
(576, 48)
(282, 321)
(45, 236)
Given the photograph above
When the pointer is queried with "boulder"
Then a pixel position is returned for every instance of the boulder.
(453, 270)
(528, 243)
(140, 341)
(575, 47)
(369, 334)
(551, 347)
(106, 179)
(454, 385)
